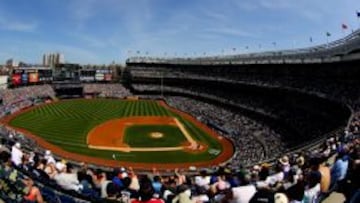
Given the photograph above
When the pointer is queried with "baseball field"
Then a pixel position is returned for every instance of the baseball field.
(110, 132)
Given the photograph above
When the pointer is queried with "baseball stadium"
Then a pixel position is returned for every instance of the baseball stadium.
(275, 122)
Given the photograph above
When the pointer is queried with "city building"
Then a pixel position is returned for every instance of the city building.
(52, 59)
(11, 63)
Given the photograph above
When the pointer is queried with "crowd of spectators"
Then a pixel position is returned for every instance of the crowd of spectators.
(11, 96)
(14, 100)
(36, 175)
(335, 90)
(107, 90)
(305, 116)
(29, 173)
(253, 140)
(354, 126)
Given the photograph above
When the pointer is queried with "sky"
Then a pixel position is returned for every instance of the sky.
(103, 31)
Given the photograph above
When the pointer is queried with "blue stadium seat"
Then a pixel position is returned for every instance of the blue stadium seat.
(66, 199)
(49, 195)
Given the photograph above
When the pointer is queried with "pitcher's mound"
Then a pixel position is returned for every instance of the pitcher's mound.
(156, 135)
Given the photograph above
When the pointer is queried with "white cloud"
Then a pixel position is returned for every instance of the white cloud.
(216, 16)
(31, 51)
(278, 4)
(245, 5)
(89, 40)
(13, 25)
(81, 11)
(228, 31)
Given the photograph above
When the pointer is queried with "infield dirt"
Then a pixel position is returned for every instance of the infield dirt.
(226, 153)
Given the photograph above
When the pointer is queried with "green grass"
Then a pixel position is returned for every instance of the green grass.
(140, 136)
(67, 123)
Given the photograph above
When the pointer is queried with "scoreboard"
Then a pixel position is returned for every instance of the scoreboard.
(95, 75)
(30, 75)
(66, 72)
(87, 75)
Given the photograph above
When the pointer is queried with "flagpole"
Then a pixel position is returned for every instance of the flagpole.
(327, 40)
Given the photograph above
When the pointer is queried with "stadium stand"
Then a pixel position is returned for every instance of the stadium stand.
(295, 176)
(335, 51)
(312, 91)
(214, 184)
(106, 90)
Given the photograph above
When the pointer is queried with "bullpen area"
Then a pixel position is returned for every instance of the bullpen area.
(110, 132)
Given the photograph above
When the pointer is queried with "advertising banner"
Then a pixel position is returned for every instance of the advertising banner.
(99, 76)
(3, 81)
(24, 78)
(16, 79)
(33, 77)
(87, 78)
(108, 77)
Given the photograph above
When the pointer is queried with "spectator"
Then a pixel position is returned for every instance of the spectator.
(146, 193)
(183, 195)
(33, 194)
(49, 158)
(243, 193)
(312, 189)
(66, 178)
(112, 194)
(339, 169)
(16, 154)
(317, 165)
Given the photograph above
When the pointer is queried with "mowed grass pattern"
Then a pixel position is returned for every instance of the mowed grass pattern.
(140, 136)
(67, 123)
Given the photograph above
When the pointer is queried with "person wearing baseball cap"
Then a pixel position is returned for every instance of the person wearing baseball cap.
(49, 158)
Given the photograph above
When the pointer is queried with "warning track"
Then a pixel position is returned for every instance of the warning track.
(226, 152)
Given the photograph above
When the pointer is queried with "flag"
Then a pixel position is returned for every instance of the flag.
(358, 14)
(344, 26)
(328, 34)
(311, 39)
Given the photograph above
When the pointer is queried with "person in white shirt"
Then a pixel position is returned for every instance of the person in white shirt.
(275, 178)
(49, 158)
(67, 179)
(16, 154)
(243, 193)
(312, 189)
(203, 180)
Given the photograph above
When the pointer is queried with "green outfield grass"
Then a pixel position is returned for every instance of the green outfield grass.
(140, 136)
(67, 123)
